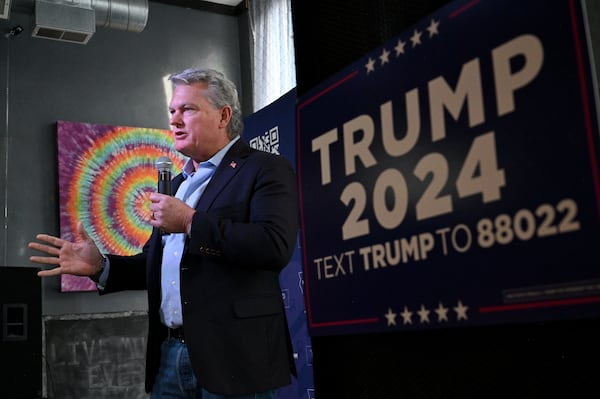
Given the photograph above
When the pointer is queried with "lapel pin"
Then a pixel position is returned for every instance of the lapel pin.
(233, 164)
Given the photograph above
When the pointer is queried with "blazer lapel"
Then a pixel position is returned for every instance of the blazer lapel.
(232, 163)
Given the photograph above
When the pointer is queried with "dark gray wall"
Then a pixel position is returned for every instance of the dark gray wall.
(117, 78)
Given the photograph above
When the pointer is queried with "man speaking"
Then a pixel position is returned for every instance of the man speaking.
(217, 325)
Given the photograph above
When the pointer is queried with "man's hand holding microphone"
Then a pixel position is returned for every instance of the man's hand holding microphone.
(169, 214)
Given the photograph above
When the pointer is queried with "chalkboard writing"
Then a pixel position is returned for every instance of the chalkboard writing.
(96, 356)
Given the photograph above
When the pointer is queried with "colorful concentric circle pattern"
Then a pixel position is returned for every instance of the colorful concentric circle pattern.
(105, 175)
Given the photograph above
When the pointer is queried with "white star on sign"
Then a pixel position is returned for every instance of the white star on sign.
(442, 312)
(370, 65)
(433, 28)
(424, 314)
(406, 316)
(416, 38)
(461, 311)
(391, 317)
(384, 57)
(400, 47)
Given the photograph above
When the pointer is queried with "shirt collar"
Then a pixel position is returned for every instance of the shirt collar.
(188, 168)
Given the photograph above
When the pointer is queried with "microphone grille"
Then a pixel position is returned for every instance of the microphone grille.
(164, 164)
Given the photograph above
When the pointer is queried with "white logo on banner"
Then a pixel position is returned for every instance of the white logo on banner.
(268, 142)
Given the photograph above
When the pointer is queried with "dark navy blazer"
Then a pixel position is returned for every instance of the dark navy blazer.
(243, 234)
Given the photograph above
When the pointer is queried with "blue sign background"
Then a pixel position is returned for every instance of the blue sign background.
(272, 129)
(491, 216)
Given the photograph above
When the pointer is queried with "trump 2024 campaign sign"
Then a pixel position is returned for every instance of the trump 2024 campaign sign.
(450, 177)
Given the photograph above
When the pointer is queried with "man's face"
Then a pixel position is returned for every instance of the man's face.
(199, 129)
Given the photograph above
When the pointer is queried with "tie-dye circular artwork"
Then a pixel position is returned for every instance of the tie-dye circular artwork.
(105, 175)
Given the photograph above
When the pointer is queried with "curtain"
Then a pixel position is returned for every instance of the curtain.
(273, 64)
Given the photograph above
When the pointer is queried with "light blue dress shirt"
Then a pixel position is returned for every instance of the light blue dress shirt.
(189, 191)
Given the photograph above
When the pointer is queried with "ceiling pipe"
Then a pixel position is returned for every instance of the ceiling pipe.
(128, 15)
(76, 20)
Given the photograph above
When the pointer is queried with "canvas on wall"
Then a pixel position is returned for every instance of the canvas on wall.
(105, 174)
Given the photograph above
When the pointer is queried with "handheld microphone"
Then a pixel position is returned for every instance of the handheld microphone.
(164, 166)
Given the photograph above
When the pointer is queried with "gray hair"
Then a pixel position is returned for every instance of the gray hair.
(221, 92)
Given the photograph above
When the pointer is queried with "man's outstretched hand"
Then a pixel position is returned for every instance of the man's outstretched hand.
(81, 258)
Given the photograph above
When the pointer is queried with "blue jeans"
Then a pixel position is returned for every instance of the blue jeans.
(176, 379)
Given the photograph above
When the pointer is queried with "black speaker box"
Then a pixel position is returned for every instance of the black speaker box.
(20, 333)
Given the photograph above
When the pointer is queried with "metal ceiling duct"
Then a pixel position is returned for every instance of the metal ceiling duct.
(75, 20)
(129, 15)
(62, 21)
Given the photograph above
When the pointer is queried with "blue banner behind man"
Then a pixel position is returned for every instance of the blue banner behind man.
(273, 129)
(450, 177)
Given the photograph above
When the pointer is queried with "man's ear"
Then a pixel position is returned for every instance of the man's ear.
(225, 115)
